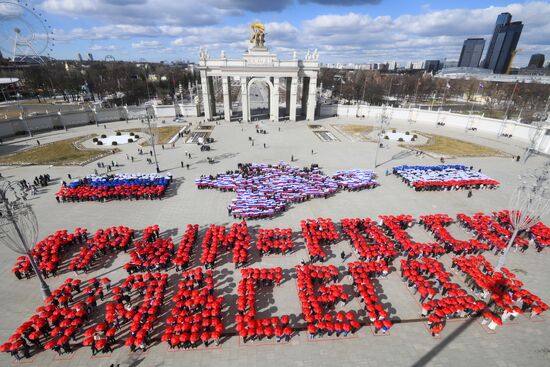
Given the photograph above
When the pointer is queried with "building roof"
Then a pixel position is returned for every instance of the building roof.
(8, 80)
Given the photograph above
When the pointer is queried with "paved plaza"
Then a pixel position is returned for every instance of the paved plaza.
(522, 342)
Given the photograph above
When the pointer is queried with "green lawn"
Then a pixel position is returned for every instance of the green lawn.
(59, 153)
(445, 146)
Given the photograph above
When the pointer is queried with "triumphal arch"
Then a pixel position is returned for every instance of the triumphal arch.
(259, 65)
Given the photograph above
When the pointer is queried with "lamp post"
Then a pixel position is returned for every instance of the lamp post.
(529, 202)
(19, 227)
(152, 135)
(384, 120)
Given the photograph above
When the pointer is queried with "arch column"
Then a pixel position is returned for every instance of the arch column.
(244, 99)
(205, 80)
(293, 97)
(226, 88)
(311, 99)
(274, 111)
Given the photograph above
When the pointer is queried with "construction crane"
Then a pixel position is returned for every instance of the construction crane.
(516, 51)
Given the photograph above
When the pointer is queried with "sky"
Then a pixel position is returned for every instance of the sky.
(343, 31)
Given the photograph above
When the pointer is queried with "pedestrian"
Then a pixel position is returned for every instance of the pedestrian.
(343, 255)
(38, 142)
(311, 151)
(469, 193)
(292, 158)
(132, 157)
(69, 175)
(264, 145)
(187, 165)
(127, 157)
(151, 153)
(181, 164)
(517, 158)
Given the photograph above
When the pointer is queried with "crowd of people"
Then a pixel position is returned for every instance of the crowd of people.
(183, 255)
(57, 322)
(152, 253)
(428, 278)
(140, 318)
(239, 240)
(395, 227)
(444, 177)
(248, 326)
(318, 232)
(539, 233)
(197, 313)
(508, 298)
(436, 224)
(47, 253)
(362, 273)
(236, 240)
(212, 240)
(487, 229)
(104, 242)
(119, 186)
(274, 241)
(316, 295)
(264, 190)
(369, 241)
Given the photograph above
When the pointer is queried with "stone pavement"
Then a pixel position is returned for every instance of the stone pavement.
(462, 343)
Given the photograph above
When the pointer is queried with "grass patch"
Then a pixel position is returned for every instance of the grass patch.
(59, 153)
(444, 146)
(163, 133)
(359, 132)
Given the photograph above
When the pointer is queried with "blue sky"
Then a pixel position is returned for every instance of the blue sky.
(356, 31)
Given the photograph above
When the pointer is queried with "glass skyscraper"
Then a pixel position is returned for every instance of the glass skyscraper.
(471, 52)
(504, 41)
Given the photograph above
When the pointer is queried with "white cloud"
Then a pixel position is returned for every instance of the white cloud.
(352, 37)
(147, 45)
(147, 12)
(104, 48)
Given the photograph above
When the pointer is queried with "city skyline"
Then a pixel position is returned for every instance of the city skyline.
(356, 31)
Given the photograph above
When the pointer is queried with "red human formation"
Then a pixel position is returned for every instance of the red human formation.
(372, 246)
(509, 298)
(187, 242)
(362, 272)
(316, 233)
(47, 253)
(56, 323)
(197, 313)
(104, 241)
(248, 327)
(152, 253)
(436, 224)
(315, 303)
(396, 225)
(274, 241)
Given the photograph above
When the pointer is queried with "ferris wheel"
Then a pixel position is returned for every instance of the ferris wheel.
(25, 35)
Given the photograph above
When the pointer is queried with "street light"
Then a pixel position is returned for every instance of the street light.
(384, 121)
(19, 227)
(152, 136)
(529, 202)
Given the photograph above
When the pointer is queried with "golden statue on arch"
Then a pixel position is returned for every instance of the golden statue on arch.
(257, 35)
